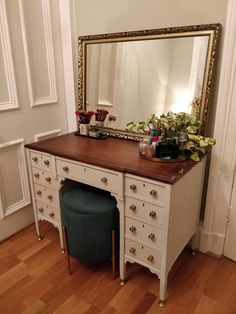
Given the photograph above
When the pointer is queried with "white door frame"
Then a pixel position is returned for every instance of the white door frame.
(67, 51)
(223, 158)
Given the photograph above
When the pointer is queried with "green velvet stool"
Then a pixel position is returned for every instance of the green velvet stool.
(90, 221)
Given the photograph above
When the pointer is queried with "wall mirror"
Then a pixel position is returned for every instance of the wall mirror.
(135, 74)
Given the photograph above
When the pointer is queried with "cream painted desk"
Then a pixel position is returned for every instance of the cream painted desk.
(159, 203)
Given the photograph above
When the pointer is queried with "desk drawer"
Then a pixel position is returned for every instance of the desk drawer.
(44, 178)
(47, 212)
(142, 189)
(101, 178)
(143, 232)
(41, 161)
(49, 196)
(152, 213)
(143, 253)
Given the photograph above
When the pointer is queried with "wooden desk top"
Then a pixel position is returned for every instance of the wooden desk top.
(112, 153)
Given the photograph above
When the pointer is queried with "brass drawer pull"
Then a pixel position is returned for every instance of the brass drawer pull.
(104, 180)
(39, 192)
(133, 208)
(133, 187)
(51, 214)
(41, 209)
(36, 175)
(150, 258)
(151, 236)
(132, 229)
(48, 179)
(46, 162)
(50, 197)
(66, 169)
(153, 214)
(35, 159)
(153, 193)
(132, 250)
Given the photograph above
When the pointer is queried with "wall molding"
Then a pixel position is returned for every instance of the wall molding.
(18, 146)
(223, 160)
(48, 134)
(52, 97)
(12, 102)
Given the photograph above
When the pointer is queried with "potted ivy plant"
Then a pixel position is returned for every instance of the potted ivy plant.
(183, 124)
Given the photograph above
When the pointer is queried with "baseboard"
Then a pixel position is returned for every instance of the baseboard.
(212, 243)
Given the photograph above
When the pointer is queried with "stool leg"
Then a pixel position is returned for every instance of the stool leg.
(66, 249)
(113, 255)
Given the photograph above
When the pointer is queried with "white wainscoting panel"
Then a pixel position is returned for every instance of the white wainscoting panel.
(45, 135)
(36, 24)
(8, 92)
(14, 186)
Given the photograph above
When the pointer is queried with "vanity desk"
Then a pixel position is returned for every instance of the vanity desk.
(159, 203)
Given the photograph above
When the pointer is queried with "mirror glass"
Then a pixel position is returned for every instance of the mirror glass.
(133, 77)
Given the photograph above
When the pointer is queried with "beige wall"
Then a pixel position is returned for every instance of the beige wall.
(106, 16)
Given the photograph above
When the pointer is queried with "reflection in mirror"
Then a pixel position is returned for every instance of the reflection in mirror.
(136, 78)
(135, 74)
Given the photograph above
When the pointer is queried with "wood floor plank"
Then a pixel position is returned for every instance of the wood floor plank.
(34, 279)
(73, 305)
(35, 307)
(12, 276)
(208, 305)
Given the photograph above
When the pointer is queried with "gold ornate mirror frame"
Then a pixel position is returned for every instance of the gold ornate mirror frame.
(210, 30)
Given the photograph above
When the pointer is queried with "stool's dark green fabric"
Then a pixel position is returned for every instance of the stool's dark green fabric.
(89, 216)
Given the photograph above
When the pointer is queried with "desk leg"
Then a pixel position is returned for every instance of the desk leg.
(163, 287)
(38, 231)
(61, 239)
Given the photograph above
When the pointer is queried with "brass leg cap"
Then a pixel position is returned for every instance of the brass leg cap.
(193, 253)
(162, 303)
(40, 238)
(123, 282)
(63, 251)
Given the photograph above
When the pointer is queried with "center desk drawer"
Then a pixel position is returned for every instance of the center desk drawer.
(98, 177)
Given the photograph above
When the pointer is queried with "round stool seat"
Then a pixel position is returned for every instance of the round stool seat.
(89, 216)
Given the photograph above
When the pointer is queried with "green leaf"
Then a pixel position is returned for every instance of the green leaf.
(203, 143)
(190, 144)
(195, 157)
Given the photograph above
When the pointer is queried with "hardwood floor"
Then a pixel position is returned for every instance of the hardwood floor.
(34, 279)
